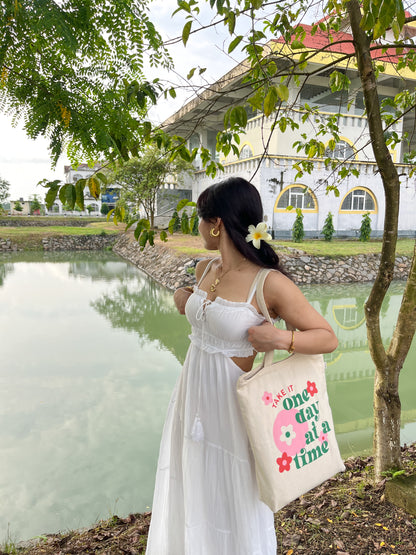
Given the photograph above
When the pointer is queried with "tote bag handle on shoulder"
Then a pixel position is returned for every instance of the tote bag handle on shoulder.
(289, 422)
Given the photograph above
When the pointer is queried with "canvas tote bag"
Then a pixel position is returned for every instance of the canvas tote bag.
(289, 423)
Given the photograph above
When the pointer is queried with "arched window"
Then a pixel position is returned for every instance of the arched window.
(359, 200)
(297, 196)
(245, 152)
(342, 151)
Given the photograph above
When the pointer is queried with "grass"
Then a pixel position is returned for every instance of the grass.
(192, 246)
(30, 238)
(344, 247)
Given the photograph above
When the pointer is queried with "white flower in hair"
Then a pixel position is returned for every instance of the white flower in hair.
(256, 234)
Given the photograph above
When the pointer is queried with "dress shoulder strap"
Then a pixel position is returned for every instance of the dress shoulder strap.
(261, 275)
(258, 290)
(208, 266)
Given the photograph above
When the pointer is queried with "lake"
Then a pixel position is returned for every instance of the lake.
(90, 352)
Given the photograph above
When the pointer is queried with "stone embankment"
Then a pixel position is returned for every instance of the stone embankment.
(66, 243)
(161, 263)
(172, 270)
(78, 242)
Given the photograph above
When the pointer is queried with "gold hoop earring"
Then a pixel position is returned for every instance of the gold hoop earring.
(212, 232)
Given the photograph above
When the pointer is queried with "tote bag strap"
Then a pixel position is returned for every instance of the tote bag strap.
(268, 357)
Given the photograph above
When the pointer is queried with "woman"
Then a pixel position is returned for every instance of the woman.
(206, 498)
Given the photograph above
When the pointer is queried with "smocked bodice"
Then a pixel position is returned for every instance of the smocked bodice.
(220, 326)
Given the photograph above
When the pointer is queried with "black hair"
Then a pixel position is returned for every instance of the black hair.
(237, 202)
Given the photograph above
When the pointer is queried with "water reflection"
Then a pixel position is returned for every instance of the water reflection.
(148, 310)
(82, 403)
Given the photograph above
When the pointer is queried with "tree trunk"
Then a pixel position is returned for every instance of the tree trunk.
(388, 364)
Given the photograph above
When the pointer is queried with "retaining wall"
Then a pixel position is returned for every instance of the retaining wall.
(171, 270)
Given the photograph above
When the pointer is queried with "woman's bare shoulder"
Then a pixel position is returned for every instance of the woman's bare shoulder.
(200, 267)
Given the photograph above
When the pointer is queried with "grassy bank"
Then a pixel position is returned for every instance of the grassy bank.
(192, 246)
(30, 238)
(347, 515)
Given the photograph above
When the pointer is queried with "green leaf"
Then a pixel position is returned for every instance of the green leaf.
(283, 92)
(191, 73)
(171, 226)
(67, 195)
(143, 238)
(94, 187)
(184, 202)
(186, 31)
(130, 223)
(79, 194)
(163, 236)
(378, 30)
(102, 177)
(51, 194)
(396, 29)
(172, 93)
(234, 43)
(231, 22)
(270, 101)
(110, 213)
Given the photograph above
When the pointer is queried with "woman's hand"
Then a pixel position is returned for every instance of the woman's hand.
(180, 297)
(266, 338)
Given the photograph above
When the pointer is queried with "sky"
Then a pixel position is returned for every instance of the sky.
(24, 162)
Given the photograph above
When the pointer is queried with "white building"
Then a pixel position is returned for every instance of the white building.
(273, 172)
(92, 205)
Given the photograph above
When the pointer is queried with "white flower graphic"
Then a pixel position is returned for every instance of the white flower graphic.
(288, 434)
(256, 234)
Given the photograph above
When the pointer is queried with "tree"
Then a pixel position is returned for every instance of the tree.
(105, 209)
(365, 229)
(142, 178)
(378, 33)
(4, 190)
(17, 206)
(328, 229)
(73, 72)
(35, 205)
(298, 232)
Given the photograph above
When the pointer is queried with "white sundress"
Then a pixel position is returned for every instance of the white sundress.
(206, 499)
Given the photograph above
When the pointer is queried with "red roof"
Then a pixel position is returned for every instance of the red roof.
(340, 42)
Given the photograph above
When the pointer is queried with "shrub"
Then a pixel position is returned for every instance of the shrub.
(176, 221)
(298, 232)
(194, 223)
(365, 229)
(328, 229)
(105, 209)
(185, 223)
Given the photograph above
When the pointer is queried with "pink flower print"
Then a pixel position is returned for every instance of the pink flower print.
(288, 434)
(283, 420)
(311, 387)
(323, 437)
(267, 398)
(284, 462)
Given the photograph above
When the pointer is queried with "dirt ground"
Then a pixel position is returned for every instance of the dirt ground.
(348, 515)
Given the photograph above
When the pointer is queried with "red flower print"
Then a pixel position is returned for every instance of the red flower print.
(311, 387)
(267, 398)
(284, 462)
(323, 437)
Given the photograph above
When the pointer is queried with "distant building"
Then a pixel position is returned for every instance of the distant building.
(273, 171)
(92, 205)
(25, 204)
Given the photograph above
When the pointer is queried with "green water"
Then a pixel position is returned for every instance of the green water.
(90, 349)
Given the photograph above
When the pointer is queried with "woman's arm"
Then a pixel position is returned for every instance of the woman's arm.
(285, 299)
(182, 294)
